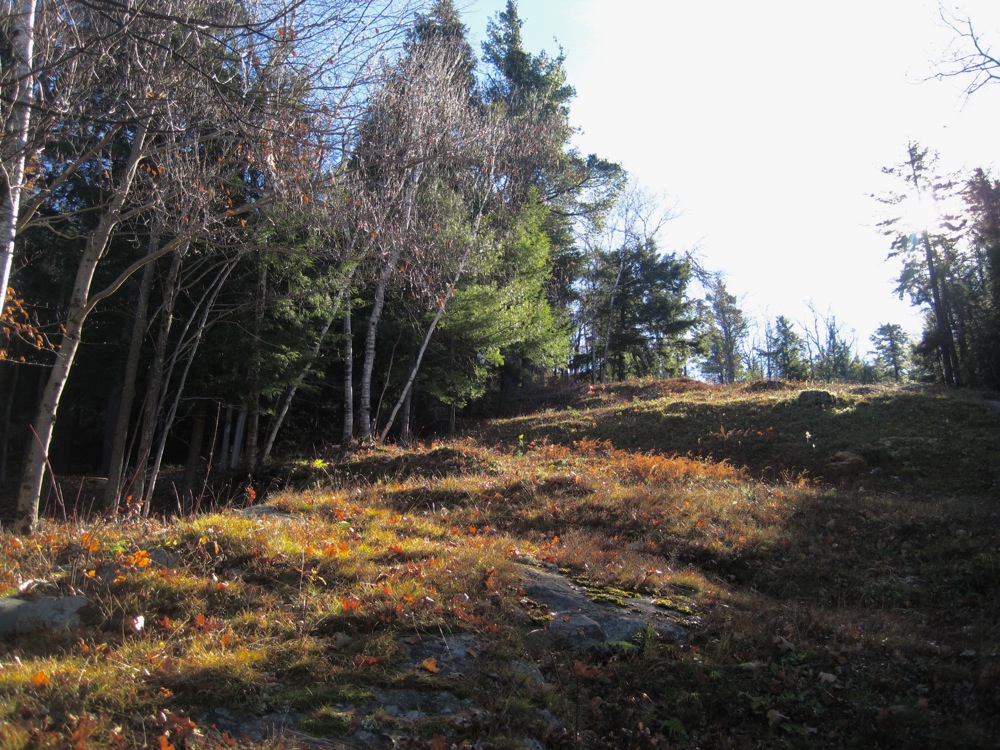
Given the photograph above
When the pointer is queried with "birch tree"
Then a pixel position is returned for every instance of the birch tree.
(417, 126)
(175, 84)
(17, 83)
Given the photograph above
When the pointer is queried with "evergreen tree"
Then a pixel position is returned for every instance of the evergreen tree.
(785, 351)
(892, 346)
(726, 335)
(641, 313)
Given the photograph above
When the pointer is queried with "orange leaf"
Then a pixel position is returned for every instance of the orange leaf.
(366, 661)
(165, 743)
(40, 679)
(431, 665)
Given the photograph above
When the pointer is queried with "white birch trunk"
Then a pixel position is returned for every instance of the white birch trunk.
(388, 269)
(22, 50)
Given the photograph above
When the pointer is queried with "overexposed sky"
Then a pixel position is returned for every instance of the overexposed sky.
(766, 124)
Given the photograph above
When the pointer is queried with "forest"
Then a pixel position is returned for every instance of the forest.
(233, 232)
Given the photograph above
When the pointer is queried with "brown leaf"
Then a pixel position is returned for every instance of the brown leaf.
(431, 665)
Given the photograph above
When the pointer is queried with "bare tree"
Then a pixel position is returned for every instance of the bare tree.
(973, 59)
(192, 91)
(417, 127)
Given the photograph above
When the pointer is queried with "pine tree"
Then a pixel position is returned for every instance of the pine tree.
(892, 346)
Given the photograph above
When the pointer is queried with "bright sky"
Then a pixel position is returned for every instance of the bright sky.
(767, 124)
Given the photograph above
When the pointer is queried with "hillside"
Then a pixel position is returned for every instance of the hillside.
(651, 564)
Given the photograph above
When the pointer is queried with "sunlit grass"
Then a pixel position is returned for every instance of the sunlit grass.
(812, 600)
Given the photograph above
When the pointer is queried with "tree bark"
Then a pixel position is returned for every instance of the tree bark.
(252, 452)
(193, 462)
(347, 434)
(949, 360)
(430, 332)
(22, 49)
(112, 489)
(26, 512)
(5, 439)
(385, 274)
(154, 397)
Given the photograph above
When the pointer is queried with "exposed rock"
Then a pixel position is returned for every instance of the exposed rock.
(165, 558)
(454, 654)
(578, 620)
(528, 673)
(46, 613)
(411, 705)
(822, 399)
(255, 728)
(385, 718)
(568, 626)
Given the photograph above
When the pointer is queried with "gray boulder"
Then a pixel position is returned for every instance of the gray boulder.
(46, 613)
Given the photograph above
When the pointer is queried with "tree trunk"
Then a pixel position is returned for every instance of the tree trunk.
(193, 462)
(22, 50)
(154, 397)
(253, 389)
(947, 336)
(168, 422)
(237, 447)
(388, 269)
(290, 392)
(406, 433)
(26, 512)
(347, 434)
(119, 441)
(430, 332)
(5, 439)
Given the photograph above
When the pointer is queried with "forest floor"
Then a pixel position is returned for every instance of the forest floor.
(652, 564)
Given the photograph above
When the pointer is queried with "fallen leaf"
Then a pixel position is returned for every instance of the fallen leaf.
(431, 665)
(775, 717)
(40, 679)
(827, 677)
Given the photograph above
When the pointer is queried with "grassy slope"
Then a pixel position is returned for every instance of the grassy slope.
(856, 611)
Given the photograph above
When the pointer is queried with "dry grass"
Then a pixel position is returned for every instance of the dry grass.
(856, 613)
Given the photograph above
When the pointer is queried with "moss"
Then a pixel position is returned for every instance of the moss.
(326, 721)
(672, 604)
(611, 595)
